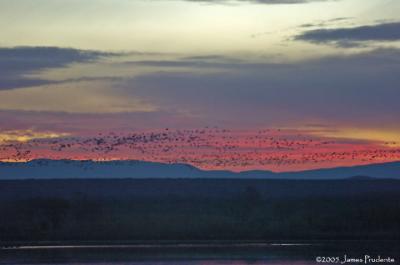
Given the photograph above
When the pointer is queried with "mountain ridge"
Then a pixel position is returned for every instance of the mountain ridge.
(65, 169)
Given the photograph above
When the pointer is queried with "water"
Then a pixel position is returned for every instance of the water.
(298, 253)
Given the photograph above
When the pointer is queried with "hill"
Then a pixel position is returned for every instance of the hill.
(61, 169)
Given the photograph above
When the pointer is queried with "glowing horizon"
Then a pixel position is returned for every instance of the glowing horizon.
(276, 150)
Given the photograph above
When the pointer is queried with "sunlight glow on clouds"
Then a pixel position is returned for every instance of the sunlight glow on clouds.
(27, 135)
(389, 138)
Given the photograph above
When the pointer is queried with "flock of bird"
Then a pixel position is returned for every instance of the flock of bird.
(208, 148)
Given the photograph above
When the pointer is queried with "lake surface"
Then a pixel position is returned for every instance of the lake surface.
(210, 253)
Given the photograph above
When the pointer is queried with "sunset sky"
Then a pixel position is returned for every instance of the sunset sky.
(280, 85)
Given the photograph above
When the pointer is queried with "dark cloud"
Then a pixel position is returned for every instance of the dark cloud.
(323, 23)
(17, 62)
(206, 57)
(175, 63)
(357, 89)
(191, 63)
(203, 61)
(351, 36)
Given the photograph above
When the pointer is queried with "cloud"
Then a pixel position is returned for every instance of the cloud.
(323, 23)
(27, 135)
(358, 89)
(18, 62)
(89, 123)
(188, 63)
(347, 36)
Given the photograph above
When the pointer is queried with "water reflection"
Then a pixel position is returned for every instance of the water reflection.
(194, 254)
(206, 262)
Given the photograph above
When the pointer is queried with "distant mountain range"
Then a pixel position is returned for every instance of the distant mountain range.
(68, 169)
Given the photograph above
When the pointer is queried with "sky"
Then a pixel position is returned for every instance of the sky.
(281, 85)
